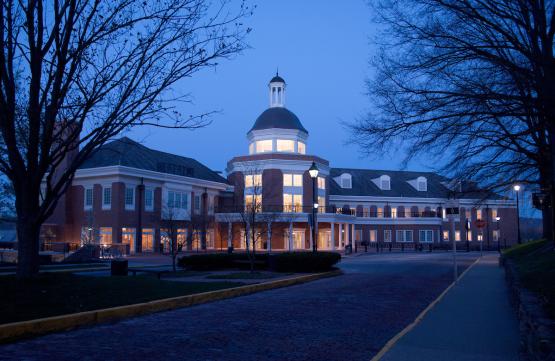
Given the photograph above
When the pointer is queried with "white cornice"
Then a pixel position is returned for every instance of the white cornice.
(439, 201)
(282, 164)
(118, 170)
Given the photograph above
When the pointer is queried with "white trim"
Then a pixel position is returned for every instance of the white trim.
(288, 165)
(438, 201)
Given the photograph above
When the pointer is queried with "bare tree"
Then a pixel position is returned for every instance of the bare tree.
(470, 84)
(75, 73)
(170, 223)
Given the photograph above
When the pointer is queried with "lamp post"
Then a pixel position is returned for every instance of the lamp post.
(497, 219)
(313, 171)
(517, 189)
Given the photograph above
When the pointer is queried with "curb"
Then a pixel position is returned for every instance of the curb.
(389, 345)
(25, 329)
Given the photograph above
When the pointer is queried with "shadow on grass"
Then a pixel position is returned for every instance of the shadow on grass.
(62, 293)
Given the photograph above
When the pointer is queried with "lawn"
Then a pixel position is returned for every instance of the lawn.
(535, 264)
(61, 293)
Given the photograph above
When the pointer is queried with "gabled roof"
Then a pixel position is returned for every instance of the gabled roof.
(362, 185)
(127, 152)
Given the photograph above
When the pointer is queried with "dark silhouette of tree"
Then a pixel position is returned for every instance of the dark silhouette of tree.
(76, 73)
(469, 84)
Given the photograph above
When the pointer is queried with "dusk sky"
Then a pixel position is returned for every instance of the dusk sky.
(322, 51)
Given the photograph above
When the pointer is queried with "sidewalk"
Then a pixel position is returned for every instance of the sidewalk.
(473, 321)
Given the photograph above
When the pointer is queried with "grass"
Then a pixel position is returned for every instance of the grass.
(244, 276)
(62, 293)
(535, 264)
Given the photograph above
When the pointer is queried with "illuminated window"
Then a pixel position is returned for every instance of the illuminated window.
(285, 145)
(301, 147)
(253, 202)
(494, 214)
(321, 204)
(373, 235)
(128, 236)
(445, 235)
(292, 202)
(263, 146)
(457, 236)
(292, 180)
(478, 214)
(253, 180)
(321, 183)
(147, 240)
(469, 235)
(393, 212)
(380, 212)
(105, 235)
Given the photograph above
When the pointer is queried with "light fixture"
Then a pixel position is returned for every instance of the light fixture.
(497, 218)
(315, 205)
(313, 170)
(516, 187)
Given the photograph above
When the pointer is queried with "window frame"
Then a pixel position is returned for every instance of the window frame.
(129, 206)
(86, 204)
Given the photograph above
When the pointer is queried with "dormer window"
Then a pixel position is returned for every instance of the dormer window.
(385, 183)
(346, 181)
(421, 184)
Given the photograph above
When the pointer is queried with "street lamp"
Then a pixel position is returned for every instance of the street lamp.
(517, 189)
(497, 219)
(313, 171)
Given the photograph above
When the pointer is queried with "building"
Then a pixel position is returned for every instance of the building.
(126, 195)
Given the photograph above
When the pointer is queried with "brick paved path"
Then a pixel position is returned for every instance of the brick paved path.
(343, 318)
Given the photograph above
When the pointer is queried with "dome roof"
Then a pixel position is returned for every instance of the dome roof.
(277, 79)
(278, 117)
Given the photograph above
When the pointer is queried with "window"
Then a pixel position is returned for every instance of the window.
(373, 235)
(128, 237)
(457, 236)
(87, 235)
(494, 214)
(292, 180)
(445, 236)
(292, 202)
(444, 213)
(129, 198)
(346, 181)
(105, 235)
(469, 235)
(177, 200)
(478, 214)
(421, 184)
(380, 212)
(263, 146)
(426, 236)
(285, 145)
(88, 198)
(387, 235)
(149, 199)
(253, 180)
(468, 214)
(393, 212)
(321, 204)
(107, 198)
(257, 199)
(385, 183)
(321, 183)
(404, 236)
(496, 235)
(197, 203)
(301, 148)
(147, 240)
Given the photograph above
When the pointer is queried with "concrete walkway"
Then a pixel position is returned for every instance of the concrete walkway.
(473, 321)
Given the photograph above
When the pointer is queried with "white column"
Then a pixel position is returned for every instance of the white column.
(340, 235)
(332, 236)
(353, 236)
(291, 236)
(229, 241)
(269, 236)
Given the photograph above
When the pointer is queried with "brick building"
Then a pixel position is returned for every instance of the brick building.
(126, 195)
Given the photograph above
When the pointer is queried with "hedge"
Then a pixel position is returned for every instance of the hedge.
(280, 262)
(304, 261)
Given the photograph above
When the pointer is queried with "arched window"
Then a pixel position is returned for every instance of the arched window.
(373, 211)
(385, 183)
(401, 211)
(421, 184)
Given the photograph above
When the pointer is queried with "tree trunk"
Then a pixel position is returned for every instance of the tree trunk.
(28, 238)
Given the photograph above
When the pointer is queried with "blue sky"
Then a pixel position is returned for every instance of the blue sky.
(322, 51)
